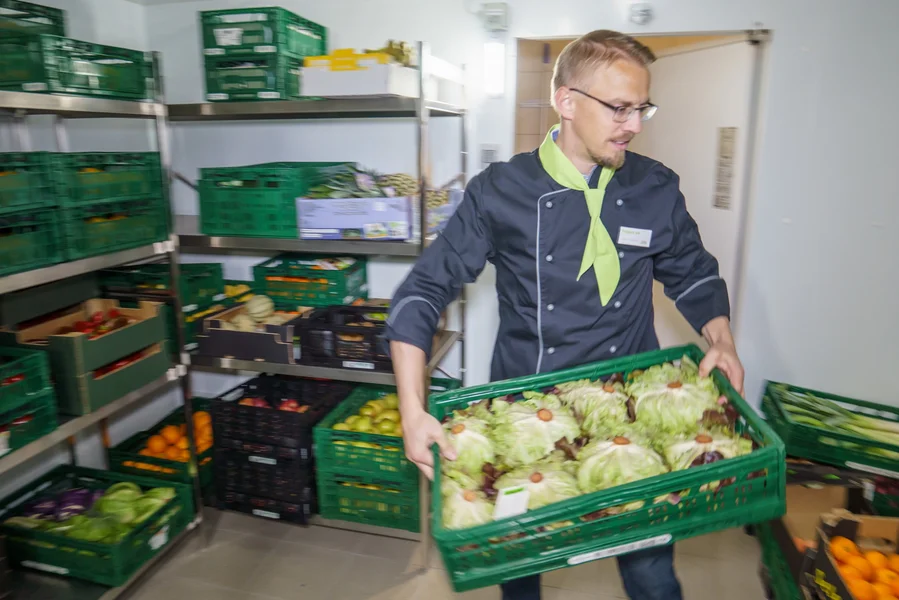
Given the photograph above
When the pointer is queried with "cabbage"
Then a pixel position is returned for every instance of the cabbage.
(468, 433)
(597, 405)
(162, 493)
(547, 481)
(464, 505)
(144, 507)
(703, 449)
(528, 430)
(607, 463)
(122, 511)
(672, 400)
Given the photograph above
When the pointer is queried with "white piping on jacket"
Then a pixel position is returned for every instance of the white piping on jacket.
(696, 285)
(539, 295)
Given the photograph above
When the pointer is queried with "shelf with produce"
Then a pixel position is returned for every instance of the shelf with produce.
(190, 238)
(75, 107)
(35, 277)
(71, 426)
(443, 343)
(363, 107)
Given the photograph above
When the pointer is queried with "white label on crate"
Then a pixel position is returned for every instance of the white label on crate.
(262, 460)
(34, 87)
(219, 297)
(189, 308)
(265, 49)
(352, 364)
(4, 442)
(215, 97)
(659, 540)
(214, 51)
(269, 95)
(45, 567)
(171, 375)
(875, 470)
(160, 539)
(228, 36)
(511, 502)
(242, 18)
(267, 514)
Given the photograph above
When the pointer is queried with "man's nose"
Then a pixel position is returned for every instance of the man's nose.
(634, 124)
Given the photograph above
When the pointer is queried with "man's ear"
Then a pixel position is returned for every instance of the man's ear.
(564, 102)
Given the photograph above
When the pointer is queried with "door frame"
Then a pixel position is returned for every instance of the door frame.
(760, 39)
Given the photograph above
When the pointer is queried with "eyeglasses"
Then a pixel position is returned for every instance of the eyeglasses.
(624, 113)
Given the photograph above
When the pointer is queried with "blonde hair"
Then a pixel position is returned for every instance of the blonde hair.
(595, 49)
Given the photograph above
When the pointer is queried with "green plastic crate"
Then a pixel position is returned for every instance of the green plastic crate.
(825, 446)
(200, 283)
(292, 280)
(31, 419)
(25, 181)
(35, 302)
(780, 580)
(269, 30)
(60, 65)
(18, 17)
(381, 503)
(334, 450)
(24, 375)
(252, 78)
(104, 227)
(257, 200)
(569, 532)
(126, 457)
(107, 564)
(29, 240)
(84, 177)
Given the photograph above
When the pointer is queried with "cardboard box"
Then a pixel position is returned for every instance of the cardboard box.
(357, 218)
(274, 343)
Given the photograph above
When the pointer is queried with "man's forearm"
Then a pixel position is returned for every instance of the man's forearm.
(409, 368)
(717, 331)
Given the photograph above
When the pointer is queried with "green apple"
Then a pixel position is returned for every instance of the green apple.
(368, 411)
(341, 427)
(350, 420)
(385, 426)
(390, 414)
(363, 425)
(391, 401)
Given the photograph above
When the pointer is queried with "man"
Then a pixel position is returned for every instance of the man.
(577, 231)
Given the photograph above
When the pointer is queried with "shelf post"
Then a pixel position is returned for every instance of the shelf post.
(423, 115)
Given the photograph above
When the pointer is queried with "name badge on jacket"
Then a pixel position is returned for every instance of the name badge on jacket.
(631, 236)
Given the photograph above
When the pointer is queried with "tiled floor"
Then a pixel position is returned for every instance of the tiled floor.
(252, 559)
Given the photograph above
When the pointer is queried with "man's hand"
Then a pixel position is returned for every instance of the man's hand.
(420, 432)
(722, 353)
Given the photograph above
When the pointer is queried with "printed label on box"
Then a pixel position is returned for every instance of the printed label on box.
(660, 540)
(228, 36)
(45, 567)
(265, 49)
(350, 364)
(511, 502)
(262, 460)
(266, 513)
(214, 51)
(160, 539)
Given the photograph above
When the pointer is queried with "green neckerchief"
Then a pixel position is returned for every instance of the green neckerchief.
(600, 251)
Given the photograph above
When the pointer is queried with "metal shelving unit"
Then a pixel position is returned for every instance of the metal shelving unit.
(20, 105)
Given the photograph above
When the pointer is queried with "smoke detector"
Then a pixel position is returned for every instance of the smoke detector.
(495, 16)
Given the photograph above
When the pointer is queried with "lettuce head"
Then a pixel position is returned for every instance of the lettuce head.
(596, 404)
(468, 432)
(528, 430)
(607, 463)
(464, 503)
(704, 448)
(547, 481)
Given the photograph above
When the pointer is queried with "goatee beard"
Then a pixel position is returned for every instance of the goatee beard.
(615, 163)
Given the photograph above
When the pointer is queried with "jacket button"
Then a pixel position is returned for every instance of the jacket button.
(549, 258)
(621, 254)
(617, 303)
(549, 204)
(619, 202)
(613, 349)
(550, 350)
(550, 307)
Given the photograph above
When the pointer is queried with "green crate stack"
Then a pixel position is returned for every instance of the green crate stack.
(257, 54)
(27, 400)
(783, 586)
(110, 564)
(86, 177)
(30, 239)
(17, 17)
(126, 457)
(26, 181)
(258, 200)
(104, 227)
(292, 281)
(570, 532)
(201, 284)
(59, 65)
(366, 477)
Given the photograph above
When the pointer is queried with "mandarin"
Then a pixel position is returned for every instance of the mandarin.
(172, 453)
(202, 418)
(863, 566)
(877, 559)
(893, 562)
(848, 573)
(171, 434)
(156, 444)
(861, 590)
(886, 576)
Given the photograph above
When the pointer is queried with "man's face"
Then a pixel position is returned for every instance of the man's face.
(622, 83)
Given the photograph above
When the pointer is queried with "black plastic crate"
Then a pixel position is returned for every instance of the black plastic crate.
(269, 425)
(290, 481)
(267, 508)
(267, 454)
(346, 337)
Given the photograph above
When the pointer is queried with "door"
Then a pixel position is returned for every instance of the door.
(702, 94)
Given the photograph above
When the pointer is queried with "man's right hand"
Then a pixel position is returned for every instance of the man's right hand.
(420, 432)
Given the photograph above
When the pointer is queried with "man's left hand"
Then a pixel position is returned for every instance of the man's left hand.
(724, 356)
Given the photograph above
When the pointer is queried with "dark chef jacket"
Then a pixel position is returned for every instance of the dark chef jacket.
(533, 231)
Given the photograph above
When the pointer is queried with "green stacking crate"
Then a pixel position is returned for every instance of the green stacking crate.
(270, 30)
(126, 457)
(84, 177)
(292, 280)
(783, 586)
(18, 17)
(106, 564)
(29, 420)
(59, 65)
(24, 375)
(26, 181)
(253, 77)
(30, 240)
(825, 446)
(569, 532)
(258, 200)
(369, 501)
(104, 227)
(201, 283)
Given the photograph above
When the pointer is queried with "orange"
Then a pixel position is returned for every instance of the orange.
(184, 444)
(145, 452)
(202, 418)
(861, 590)
(863, 566)
(171, 433)
(895, 587)
(877, 559)
(849, 573)
(884, 592)
(184, 456)
(204, 430)
(886, 576)
(172, 453)
(203, 446)
(156, 444)
(842, 548)
(893, 562)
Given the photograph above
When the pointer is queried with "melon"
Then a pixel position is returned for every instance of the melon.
(260, 307)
